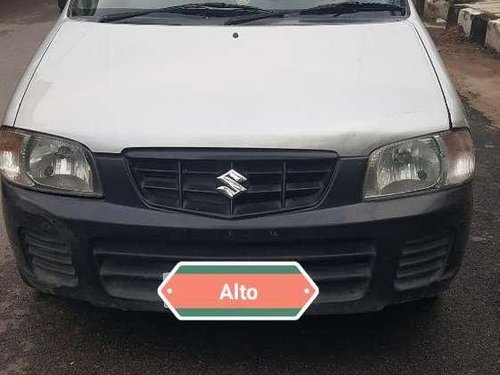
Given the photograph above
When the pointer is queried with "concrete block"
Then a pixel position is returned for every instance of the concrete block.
(492, 39)
(453, 12)
(465, 19)
(478, 28)
(435, 9)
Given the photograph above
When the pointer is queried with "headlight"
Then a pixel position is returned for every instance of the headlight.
(431, 162)
(47, 163)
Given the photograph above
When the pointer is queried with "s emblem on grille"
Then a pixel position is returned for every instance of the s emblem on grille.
(232, 183)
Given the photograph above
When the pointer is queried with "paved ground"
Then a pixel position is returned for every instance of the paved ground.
(460, 335)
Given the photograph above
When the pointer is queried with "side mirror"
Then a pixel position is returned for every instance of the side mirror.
(62, 4)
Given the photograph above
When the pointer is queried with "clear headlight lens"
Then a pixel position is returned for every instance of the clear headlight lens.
(419, 164)
(47, 163)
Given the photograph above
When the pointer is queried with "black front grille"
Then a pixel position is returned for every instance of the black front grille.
(342, 270)
(50, 258)
(276, 181)
(422, 262)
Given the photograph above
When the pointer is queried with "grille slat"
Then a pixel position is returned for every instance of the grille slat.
(201, 191)
(420, 247)
(48, 255)
(148, 270)
(260, 189)
(304, 190)
(312, 171)
(408, 262)
(339, 272)
(153, 171)
(54, 267)
(420, 270)
(290, 180)
(45, 243)
(199, 173)
(159, 187)
(422, 262)
(264, 173)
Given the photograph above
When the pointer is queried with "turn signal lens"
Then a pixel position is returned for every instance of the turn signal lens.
(12, 146)
(459, 157)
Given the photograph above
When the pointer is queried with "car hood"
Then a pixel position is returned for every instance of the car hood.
(348, 88)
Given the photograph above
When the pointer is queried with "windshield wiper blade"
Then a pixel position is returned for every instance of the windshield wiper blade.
(352, 7)
(192, 7)
(253, 17)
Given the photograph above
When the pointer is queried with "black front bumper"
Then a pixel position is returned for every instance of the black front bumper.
(363, 256)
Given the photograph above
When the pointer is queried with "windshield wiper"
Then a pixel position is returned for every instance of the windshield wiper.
(253, 17)
(192, 8)
(352, 7)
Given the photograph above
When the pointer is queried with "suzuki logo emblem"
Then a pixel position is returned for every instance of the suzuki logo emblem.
(232, 184)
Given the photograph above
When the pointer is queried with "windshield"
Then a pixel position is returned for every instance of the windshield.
(147, 11)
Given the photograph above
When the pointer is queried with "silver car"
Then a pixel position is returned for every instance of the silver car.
(149, 132)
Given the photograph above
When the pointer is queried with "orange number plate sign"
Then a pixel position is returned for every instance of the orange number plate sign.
(238, 291)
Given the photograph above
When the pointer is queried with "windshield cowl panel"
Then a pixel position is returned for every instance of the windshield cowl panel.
(236, 12)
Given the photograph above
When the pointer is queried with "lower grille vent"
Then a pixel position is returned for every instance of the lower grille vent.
(50, 258)
(134, 271)
(422, 262)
